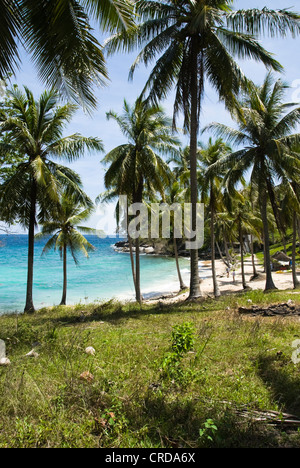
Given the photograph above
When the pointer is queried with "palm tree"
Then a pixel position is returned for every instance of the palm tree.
(289, 195)
(181, 167)
(138, 165)
(264, 129)
(241, 212)
(176, 194)
(66, 234)
(211, 190)
(58, 36)
(194, 41)
(36, 129)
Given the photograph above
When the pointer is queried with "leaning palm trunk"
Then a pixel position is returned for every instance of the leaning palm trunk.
(132, 260)
(131, 252)
(138, 198)
(294, 270)
(29, 307)
(181, 283)
(195, 291)
(255, 275)
(64, 295)
(242, 258)
(267, 258)
(212, 236)
(228, 256)
(226, 263)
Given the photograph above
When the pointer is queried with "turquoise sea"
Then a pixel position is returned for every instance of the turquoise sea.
(104, 275)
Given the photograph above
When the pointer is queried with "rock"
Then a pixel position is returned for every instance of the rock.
(149, 250)
(87, 377)
(91, 351)
(5, 362)
(32, 354)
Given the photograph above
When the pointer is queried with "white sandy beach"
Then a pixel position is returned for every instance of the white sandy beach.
(282, 280)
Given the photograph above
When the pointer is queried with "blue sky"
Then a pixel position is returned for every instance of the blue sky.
(90, 168)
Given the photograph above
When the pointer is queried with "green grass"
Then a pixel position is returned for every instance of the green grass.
(237, 363)
(279, 248)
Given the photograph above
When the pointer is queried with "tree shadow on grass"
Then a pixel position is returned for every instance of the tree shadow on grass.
(180, 423)
(284, 382)
(114, 312)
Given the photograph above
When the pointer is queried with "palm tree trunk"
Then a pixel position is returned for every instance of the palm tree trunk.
(212, 237)
(255, 275)
(131, 252)
(226, 263)
(64, 295)
(195, 291)
(242, 258)
(284, 243)
(298, 226)
(29, 307)
(138, 271)
(263, 207)
(294, 270)
(181, 283)
(132, 260)
(138, 198)
(228, 256)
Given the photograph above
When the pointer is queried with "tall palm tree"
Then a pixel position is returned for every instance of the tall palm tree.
(59, 37)
(36, 128)
(267, 148)
(241, 212)
(176, 194)
(138, 164)
(66, 234)
(289, 195)
(211, 190)
(192, 42)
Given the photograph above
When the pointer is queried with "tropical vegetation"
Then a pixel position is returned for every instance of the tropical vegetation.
(192, 371)
(36, 128)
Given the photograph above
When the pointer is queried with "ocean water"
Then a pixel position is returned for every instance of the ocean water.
(106, 274)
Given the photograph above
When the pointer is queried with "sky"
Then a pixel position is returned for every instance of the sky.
(111, 97)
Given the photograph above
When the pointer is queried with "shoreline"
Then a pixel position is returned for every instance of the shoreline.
(282, 280)
(167, 290)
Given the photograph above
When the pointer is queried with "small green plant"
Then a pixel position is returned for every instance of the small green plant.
(183, 338)
(182, 342)
(208, 431)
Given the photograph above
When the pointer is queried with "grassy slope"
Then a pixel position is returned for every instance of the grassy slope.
(238, 363)
(279, 248)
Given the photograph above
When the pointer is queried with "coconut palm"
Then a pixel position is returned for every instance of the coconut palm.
(65, 233)
(59, 37)
(211, 190)
(289, 202)
(176, 196)
(246, 222)
(192, 42)
(36, 128)
(181, 167)
(265, 133)
(138, 164)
